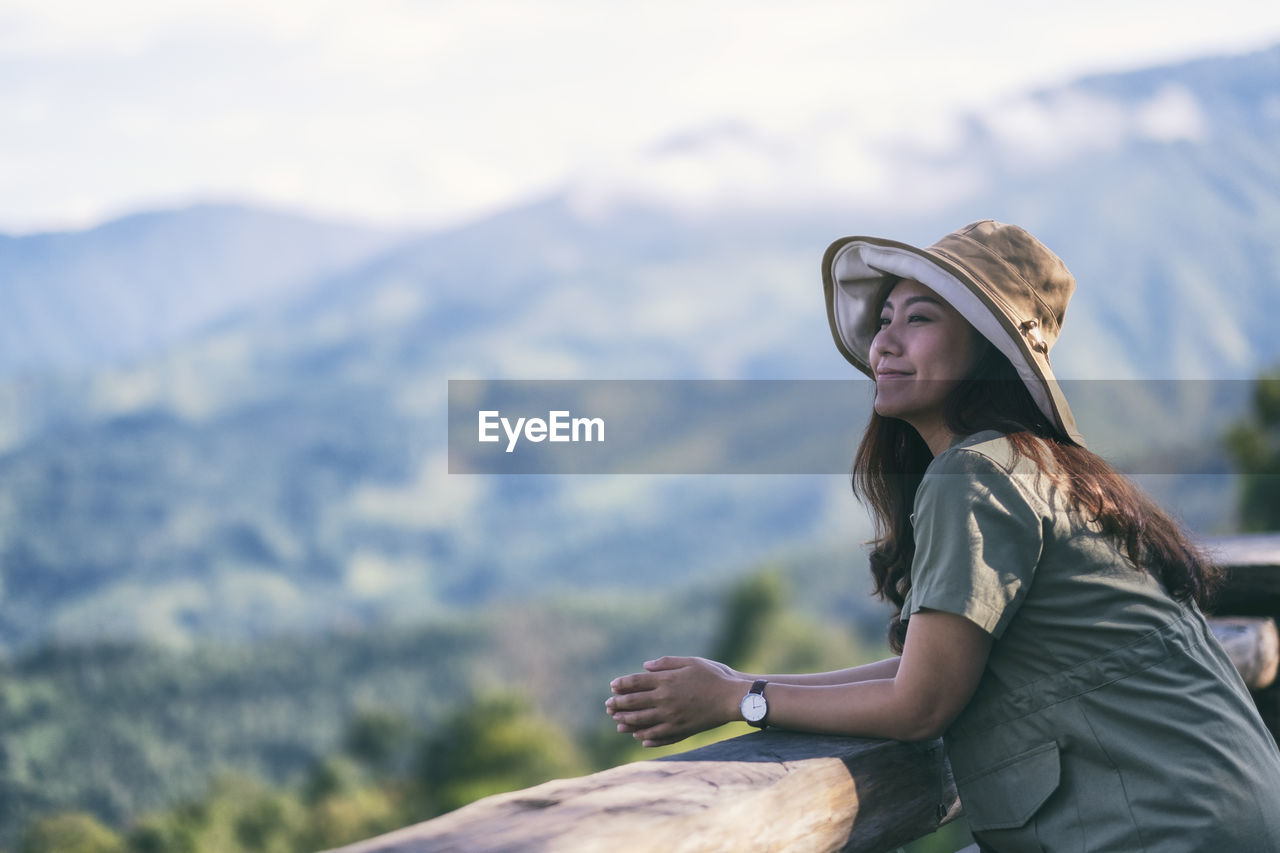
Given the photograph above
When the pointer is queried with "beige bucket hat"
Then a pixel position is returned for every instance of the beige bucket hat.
(1004, 281)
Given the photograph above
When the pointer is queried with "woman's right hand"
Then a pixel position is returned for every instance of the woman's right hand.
(673, 698)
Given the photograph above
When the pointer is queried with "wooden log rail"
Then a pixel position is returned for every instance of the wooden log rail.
(1253, 646)
(777, 790)
(1252, 588)
(769, 790)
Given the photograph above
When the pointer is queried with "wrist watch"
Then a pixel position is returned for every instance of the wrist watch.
(754, 706)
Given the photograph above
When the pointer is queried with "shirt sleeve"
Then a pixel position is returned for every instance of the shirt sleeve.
(978, 541)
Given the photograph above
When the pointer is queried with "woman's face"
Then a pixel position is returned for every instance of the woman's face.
(924, 347)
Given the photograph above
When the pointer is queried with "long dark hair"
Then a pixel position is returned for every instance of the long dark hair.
(892, 459)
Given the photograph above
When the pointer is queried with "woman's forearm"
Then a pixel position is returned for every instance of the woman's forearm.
(881, 669)
(676, 697)
(912, 698)
(867, 708)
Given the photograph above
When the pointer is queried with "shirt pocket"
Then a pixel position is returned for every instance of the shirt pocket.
(1003, 798)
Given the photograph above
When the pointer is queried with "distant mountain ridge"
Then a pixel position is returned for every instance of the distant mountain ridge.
(283, 468)
(81, 300)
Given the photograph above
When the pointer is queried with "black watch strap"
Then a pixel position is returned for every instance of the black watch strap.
(758, 687)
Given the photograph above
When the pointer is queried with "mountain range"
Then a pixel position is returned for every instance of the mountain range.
(226, 422)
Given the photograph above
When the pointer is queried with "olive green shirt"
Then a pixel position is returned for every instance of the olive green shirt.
(1108, 717)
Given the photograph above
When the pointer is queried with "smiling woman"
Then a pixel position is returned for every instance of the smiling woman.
(1048, 614)
(924, 347)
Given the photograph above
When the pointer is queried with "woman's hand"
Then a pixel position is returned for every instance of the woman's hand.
(675, 697)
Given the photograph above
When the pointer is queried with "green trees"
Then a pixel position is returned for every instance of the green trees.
(237, 814)
(388, 774)
(71, 832)
(496, 743)
(750, 613)
(381, 740)
(428, 751)
(1254, 445)
(760, 631)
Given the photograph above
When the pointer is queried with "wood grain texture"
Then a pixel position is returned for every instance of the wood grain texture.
(1253, 646)
(763, 791)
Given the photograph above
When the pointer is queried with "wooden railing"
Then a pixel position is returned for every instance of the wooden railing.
(1252, 589)
(776, 790)
(768, 790)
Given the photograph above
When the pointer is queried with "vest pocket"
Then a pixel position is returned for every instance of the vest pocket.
(1007, 795)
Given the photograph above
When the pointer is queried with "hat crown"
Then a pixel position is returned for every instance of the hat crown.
(1023, 276)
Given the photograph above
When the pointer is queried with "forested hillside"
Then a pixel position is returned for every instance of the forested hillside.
(123, 731)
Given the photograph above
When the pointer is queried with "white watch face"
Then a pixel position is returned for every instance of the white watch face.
(754, 707)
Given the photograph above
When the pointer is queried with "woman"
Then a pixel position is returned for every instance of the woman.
(1048, 614)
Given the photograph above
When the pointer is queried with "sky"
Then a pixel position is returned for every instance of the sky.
(434, 112)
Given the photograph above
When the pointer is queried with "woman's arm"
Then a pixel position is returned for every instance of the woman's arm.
(942, 661)
(886, 668)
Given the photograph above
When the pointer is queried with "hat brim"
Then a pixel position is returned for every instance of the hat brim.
(859, 272)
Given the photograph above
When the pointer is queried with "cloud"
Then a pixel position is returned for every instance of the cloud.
(1173, 114)
(1043, 130)
(829, 162)
(431, 112)
(1050, 128)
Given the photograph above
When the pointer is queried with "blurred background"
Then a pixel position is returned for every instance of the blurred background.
(244, 605)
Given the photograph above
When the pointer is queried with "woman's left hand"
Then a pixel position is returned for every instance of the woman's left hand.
(675, 697)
